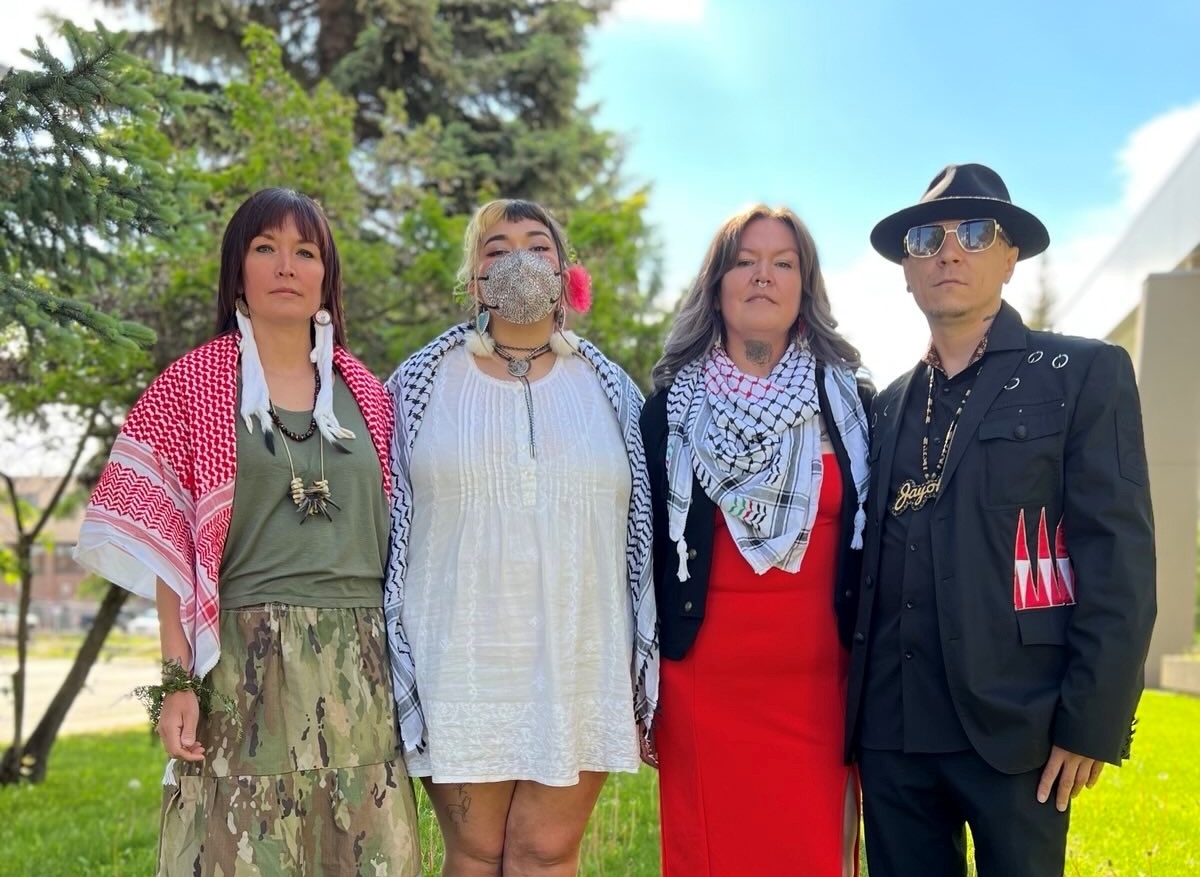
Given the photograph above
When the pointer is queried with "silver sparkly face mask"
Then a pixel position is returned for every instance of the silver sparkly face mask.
(521, 287)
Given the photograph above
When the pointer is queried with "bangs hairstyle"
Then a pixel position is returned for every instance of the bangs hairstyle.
(267, 210)
(698, 326)
(506, 210)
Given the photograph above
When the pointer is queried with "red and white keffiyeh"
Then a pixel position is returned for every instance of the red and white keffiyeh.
(162, 507)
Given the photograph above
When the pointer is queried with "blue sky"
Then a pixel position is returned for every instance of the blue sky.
(846, 111)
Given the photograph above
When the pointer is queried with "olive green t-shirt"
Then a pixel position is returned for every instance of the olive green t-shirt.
(270, 556)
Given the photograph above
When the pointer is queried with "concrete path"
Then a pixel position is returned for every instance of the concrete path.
(105, 702)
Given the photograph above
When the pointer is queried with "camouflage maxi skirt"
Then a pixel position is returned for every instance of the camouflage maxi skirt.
(304, 778)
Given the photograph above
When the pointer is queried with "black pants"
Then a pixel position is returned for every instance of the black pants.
(915, 808)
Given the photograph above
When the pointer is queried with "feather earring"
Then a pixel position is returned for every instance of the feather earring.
(322, 357)
(479, 342)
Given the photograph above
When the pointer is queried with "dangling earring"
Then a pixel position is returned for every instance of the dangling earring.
(241, 306)
(560, 317)
(479, 342)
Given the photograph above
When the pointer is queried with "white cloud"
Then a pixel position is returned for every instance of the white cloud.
(877, 314)
(661, 11)
(1148, 157)
(1153, 151)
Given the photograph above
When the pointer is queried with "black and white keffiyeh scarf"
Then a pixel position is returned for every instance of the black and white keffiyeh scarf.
(755, 446)
(410, 387)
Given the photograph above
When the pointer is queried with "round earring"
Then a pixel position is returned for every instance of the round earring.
(242, 307)
(322, 317)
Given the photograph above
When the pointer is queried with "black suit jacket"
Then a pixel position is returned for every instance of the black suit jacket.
(681, 604)
(1052, 432)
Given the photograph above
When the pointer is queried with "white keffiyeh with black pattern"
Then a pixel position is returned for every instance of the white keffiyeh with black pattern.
(754, 444)
(411, 390)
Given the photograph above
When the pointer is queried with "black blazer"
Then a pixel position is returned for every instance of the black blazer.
(1052, 431)
(681, 604)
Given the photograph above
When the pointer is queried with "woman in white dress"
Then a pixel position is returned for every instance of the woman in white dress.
(519, 599)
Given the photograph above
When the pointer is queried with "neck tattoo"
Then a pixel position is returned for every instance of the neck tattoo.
(758, 352)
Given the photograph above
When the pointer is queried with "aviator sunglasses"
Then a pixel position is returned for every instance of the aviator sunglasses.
(974, 236)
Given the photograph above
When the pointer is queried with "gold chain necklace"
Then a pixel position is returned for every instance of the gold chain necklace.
(912, 496)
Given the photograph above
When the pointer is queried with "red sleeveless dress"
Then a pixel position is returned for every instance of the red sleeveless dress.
(749, 730)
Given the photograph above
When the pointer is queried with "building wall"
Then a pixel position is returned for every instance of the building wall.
(1168, 363)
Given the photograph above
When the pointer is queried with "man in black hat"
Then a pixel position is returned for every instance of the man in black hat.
(1007, 595)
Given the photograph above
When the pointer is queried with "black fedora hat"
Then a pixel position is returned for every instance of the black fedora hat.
(963, 191)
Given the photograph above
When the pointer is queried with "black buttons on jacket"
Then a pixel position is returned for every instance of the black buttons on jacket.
(908, 604)
(691, 554)
(1020, 431)
(860, 637)
(869, 581)
(908, 655)
(687, 607)
(849, 592)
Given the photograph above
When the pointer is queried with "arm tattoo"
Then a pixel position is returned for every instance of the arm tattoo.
(758, 352)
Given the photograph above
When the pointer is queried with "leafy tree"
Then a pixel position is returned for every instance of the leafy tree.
(447, 103)
(77, 185)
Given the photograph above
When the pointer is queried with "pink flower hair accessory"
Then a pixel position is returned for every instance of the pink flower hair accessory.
(579, 289)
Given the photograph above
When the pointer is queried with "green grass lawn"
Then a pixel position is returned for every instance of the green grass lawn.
(96, 814)
(51, 644)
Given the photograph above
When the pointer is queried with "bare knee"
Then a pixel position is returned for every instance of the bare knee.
(540, 852)
(471, 861)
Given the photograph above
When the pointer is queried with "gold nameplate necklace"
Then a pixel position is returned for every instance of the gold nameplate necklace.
(912, 496)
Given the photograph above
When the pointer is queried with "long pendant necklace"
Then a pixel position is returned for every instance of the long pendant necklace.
(518, 367)
(912, 496)
(316, 498)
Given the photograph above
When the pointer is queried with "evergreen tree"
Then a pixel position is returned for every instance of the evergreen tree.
(1042, 314)
(79, 184)
(72, 182)
(452, 102)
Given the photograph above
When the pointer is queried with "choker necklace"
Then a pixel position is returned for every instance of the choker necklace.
(312, 424)
(518, 367)
(316, 498)
(912, 496)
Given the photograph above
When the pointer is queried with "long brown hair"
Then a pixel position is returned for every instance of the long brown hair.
(266, 210)
(698, 325)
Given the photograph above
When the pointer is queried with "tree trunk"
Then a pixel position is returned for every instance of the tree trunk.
(28, 763)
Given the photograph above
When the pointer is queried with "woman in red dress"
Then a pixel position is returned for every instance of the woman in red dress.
(756, 440)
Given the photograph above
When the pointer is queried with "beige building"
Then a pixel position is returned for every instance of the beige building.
(56, 601)
(1152, 278)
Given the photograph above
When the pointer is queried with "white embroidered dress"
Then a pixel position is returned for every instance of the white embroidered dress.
(517, 604)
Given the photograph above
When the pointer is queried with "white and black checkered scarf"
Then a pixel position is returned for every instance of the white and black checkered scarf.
(755, 446)
(411, 389)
